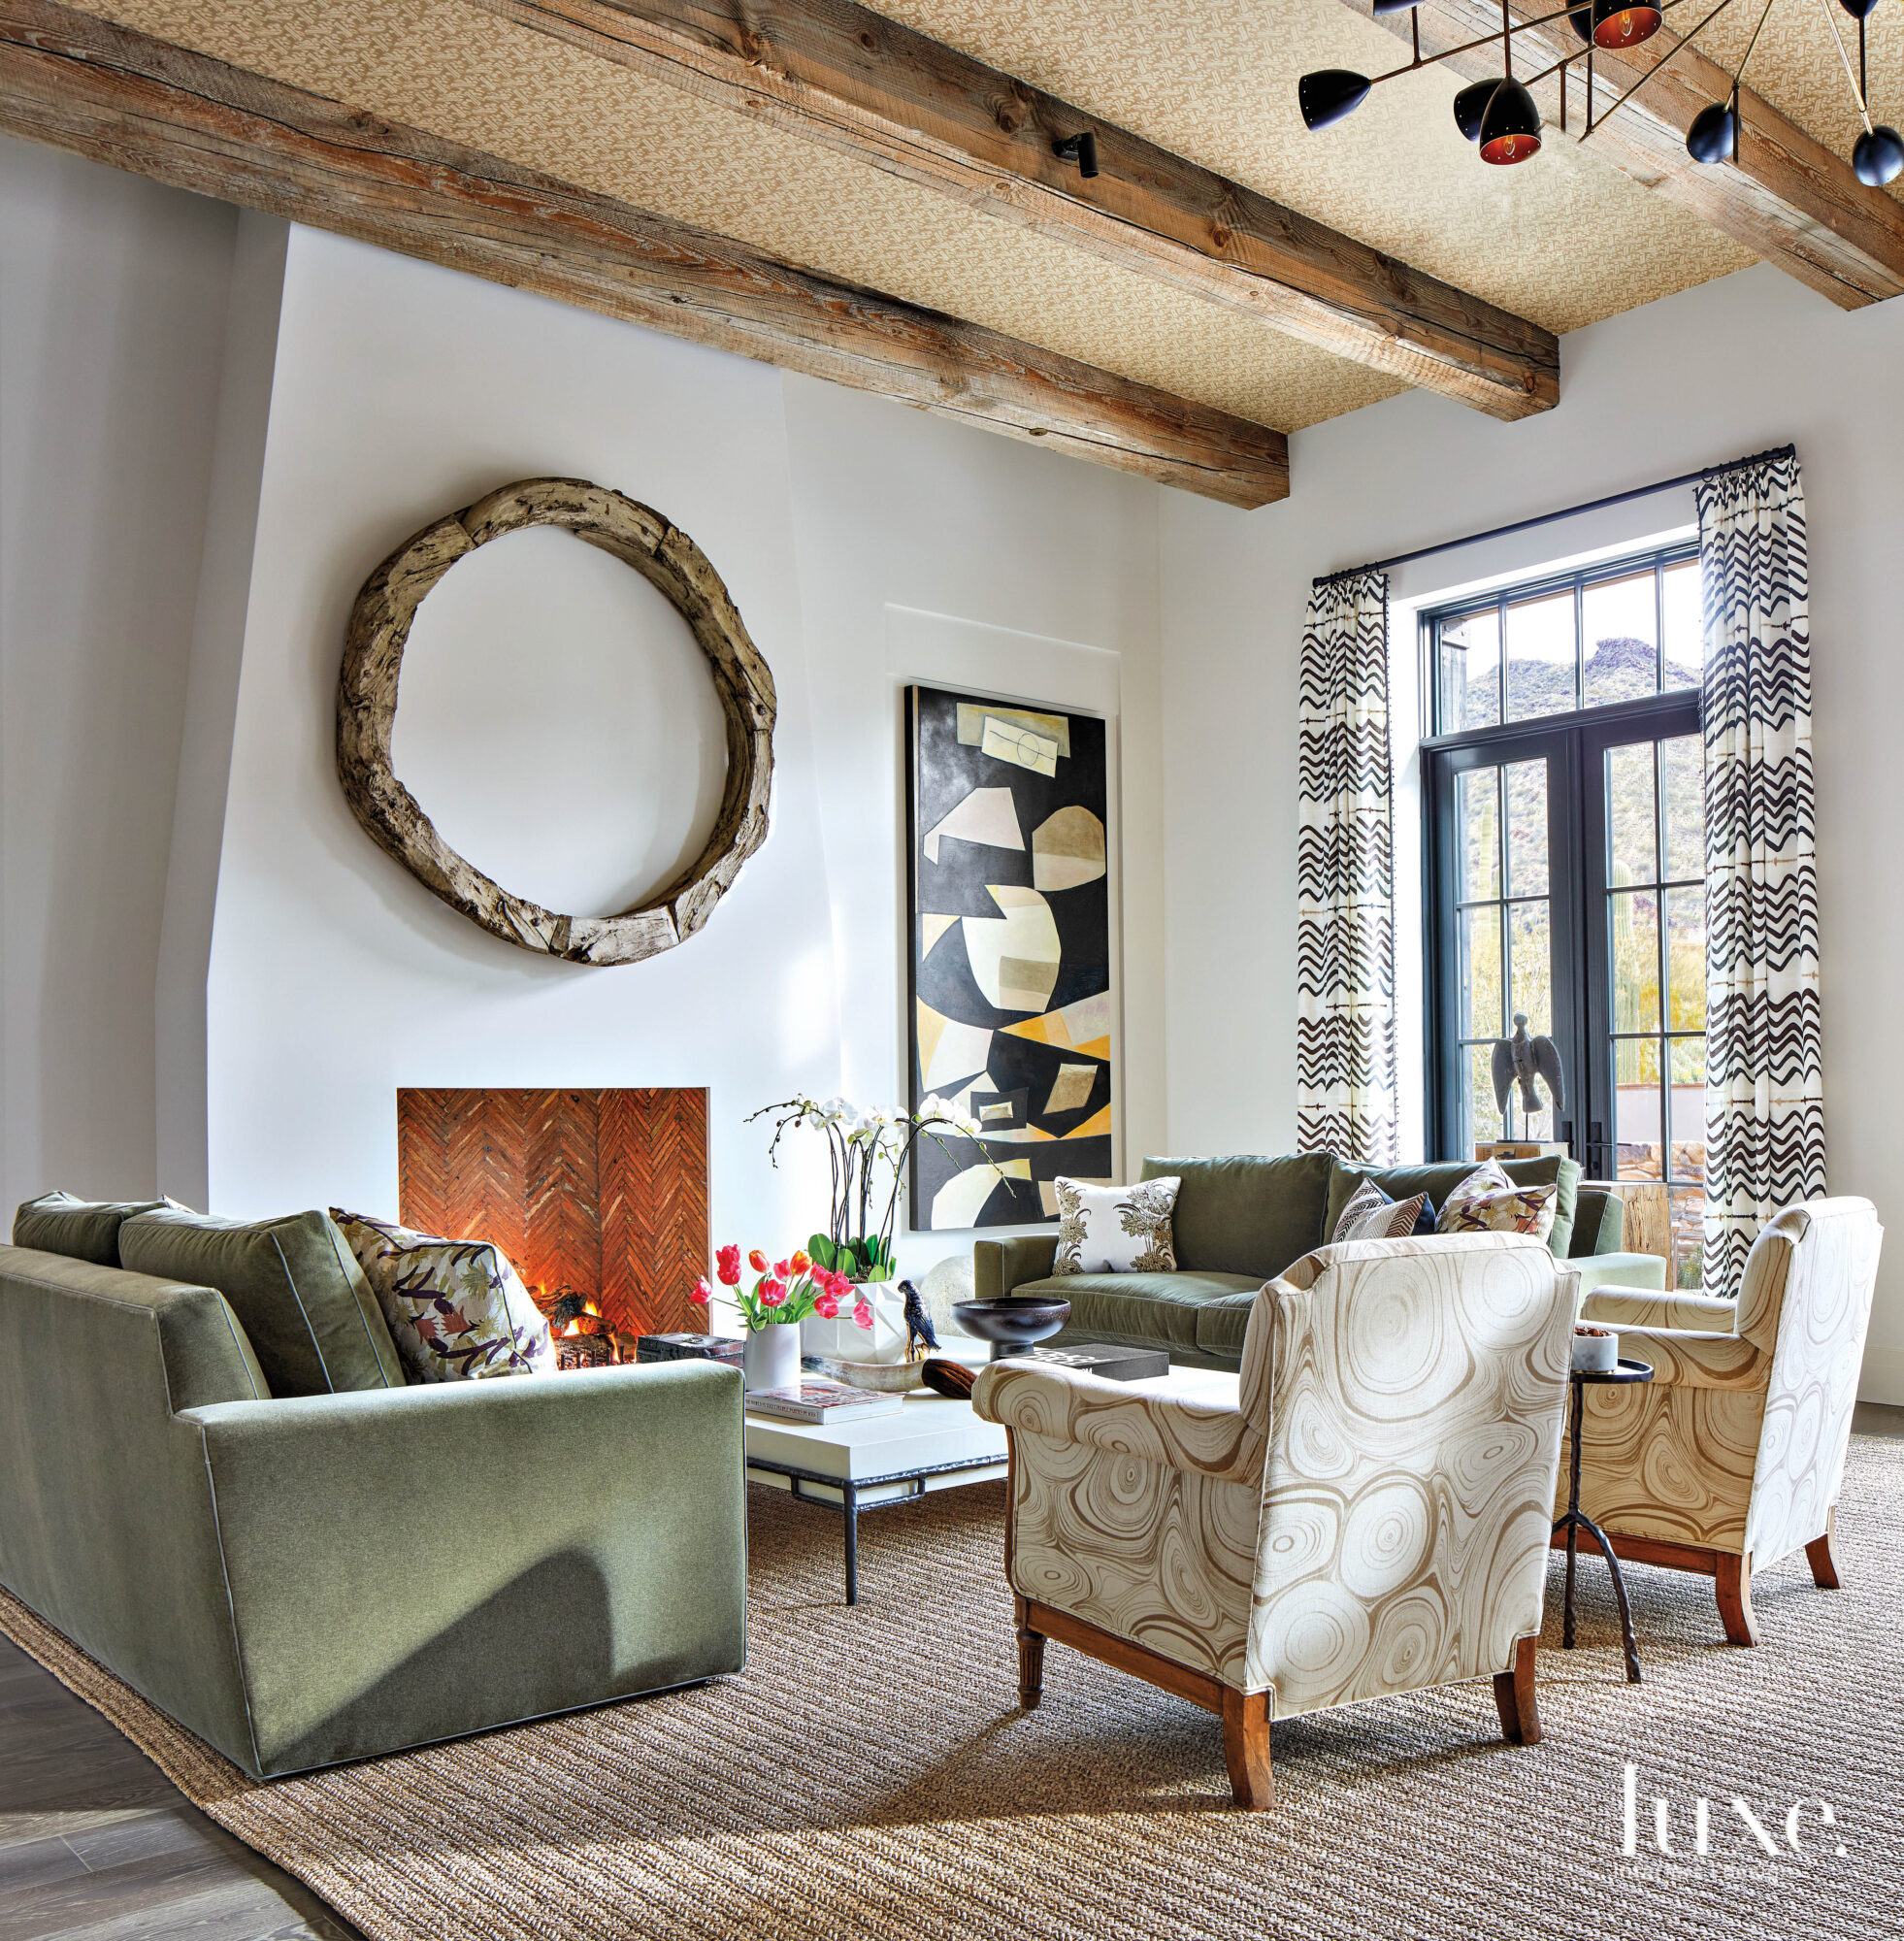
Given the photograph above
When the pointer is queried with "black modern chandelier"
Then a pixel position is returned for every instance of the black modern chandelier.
(1500, 117)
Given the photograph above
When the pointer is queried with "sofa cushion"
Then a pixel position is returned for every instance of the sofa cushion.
(1222, 1323)
(1246, 1214)
(1488, 1202)
(1114, 1228)
(82, 1229)
(1438, 1181)
(1152, 1308)
(299, 1295)
(457, 1309)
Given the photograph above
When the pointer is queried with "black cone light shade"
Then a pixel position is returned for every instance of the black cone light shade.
(1714, 136)
(1329, 94)
(1510, 129)
(1859, 10)
(1402, 6)
(1471, 108)
(1618, 23)
(1879, 156)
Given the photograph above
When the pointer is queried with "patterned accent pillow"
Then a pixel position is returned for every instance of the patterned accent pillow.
(1371, 1215)
(1116, 1229)
(456, 1308)
(1488, 1202)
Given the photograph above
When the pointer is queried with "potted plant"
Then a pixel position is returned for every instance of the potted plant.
(784, 1296)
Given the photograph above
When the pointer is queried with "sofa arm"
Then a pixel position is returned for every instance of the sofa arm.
(1644, 1271)
(1631, 1307)
(1000, 1265)
(408, 1565)
(1682, 1359)
(1064, 1405)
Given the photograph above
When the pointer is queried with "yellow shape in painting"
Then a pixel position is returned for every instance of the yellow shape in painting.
(976, 720)
(931, 929)
(1083, 1027)
(1070, 1089)
(985, 815)
(1020, 747)
(962, 1199)
(1097, 1127)
(1067, 848)
(1014, 957)
(949, 1051)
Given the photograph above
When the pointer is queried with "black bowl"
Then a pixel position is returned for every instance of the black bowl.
(1012, 1323)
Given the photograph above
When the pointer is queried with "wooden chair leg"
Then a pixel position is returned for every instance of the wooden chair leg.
(1030, 1661)
(1514, 1696)
(1246, 1749)
(1735, 1612)
(1821, 1554)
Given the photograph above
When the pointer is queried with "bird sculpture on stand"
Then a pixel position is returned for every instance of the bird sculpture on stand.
(1521, 1060)
(919, 1335)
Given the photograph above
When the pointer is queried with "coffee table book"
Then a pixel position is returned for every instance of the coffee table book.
(1103, 1359)
(689, 1348)
(823, 1402)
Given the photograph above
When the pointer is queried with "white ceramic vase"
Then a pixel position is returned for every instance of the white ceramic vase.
(769, 1358)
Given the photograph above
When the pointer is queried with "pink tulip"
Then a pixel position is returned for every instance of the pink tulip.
(772, 1293)
(728, 1265)
(703, 1293)
(783, 1270)
(826, 1305)
(862, 1314)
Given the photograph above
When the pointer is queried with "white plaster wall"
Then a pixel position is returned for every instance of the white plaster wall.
(1730, 368)
(112, 307)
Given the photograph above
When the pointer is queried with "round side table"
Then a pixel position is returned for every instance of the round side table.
(1575, 1519)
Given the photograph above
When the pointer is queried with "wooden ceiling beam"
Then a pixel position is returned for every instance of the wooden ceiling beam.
(1786, 198)
(837, 74)
(77, 82)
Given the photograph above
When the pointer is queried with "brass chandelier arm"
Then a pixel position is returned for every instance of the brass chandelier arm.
(1739, 77)
(1486, 40)
(1601, 121)
(1586, 54)
(1857, 93)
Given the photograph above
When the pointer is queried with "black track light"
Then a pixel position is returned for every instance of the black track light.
(1510, 129)
(1878, 157)
(1402, 6)
(1859, 10)
(1081, 148)
(1471, 106)
(1714, 136)
(1329, 94)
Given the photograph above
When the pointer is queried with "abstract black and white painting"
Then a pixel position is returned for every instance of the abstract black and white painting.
(1009, 916)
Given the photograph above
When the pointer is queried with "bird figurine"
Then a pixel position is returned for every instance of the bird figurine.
(1526, 1058)
(918, 1324)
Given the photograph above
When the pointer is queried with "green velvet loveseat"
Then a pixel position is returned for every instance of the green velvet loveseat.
(307, 1578)
(1241, 1221)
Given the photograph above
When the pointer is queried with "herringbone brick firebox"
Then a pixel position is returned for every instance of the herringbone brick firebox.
(603, 1192)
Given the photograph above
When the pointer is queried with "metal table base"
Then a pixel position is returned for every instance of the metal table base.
(850, 1488)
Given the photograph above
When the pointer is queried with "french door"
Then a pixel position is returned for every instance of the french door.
(1566, 883)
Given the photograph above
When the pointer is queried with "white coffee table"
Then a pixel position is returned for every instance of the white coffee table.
(930, 1443)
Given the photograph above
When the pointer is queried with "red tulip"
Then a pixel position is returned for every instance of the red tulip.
(757, 1261)
(772, 1293)
(863, 1314)
(826, 1305)
(703, 1293)
(728, 1265)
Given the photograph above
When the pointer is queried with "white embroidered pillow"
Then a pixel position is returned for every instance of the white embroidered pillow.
(1371, 1215)
(457, 1309)
(1488, 1202)
(1116, 1229)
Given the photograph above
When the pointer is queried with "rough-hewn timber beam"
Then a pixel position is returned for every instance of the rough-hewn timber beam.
(839, 74)
(1788, 198)
(77, 82)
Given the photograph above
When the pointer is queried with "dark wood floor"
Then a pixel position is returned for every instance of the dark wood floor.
(96, 1842)
(97, 1845)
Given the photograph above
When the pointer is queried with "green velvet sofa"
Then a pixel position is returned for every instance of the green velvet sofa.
(304, 1579)
(1241, 1221)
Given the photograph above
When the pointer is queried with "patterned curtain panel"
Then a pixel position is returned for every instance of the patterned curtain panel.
(1344, 874)
(1764, 1100)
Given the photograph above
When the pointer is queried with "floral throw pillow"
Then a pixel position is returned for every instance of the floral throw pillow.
(1116, 1229)
(456, 1308)
(1488, 1202)
(1371, 1215)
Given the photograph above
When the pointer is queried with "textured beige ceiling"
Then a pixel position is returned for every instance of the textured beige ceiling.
(1565, 240)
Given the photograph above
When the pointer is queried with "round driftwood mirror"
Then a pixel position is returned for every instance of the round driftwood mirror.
(367, 712)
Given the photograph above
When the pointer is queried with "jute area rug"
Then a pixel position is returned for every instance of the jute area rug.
(871, 1775)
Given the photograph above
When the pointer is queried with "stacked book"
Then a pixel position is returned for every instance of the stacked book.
(690, 1348)
(822, 1403)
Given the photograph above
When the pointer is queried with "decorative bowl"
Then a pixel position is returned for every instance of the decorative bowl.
(1013, 1322)
(1595, 1351)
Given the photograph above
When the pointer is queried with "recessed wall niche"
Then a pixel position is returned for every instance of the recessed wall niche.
(690, 795)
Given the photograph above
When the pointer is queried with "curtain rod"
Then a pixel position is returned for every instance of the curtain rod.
(1565, 513)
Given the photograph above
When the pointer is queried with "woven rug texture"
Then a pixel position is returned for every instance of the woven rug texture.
(871, 1775)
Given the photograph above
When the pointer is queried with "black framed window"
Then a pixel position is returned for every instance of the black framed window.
(1563, 795)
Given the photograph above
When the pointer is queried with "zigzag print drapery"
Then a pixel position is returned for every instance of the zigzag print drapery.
(1344, 877)
(1764, 1099)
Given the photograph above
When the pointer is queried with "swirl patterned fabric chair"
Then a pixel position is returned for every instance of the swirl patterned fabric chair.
(1371, 1517)
(1732, 1456)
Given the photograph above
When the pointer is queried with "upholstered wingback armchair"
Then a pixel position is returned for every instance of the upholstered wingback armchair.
(1732, 1456)
(1369, 1517)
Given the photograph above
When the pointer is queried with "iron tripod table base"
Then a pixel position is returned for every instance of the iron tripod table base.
(1575, 1519)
